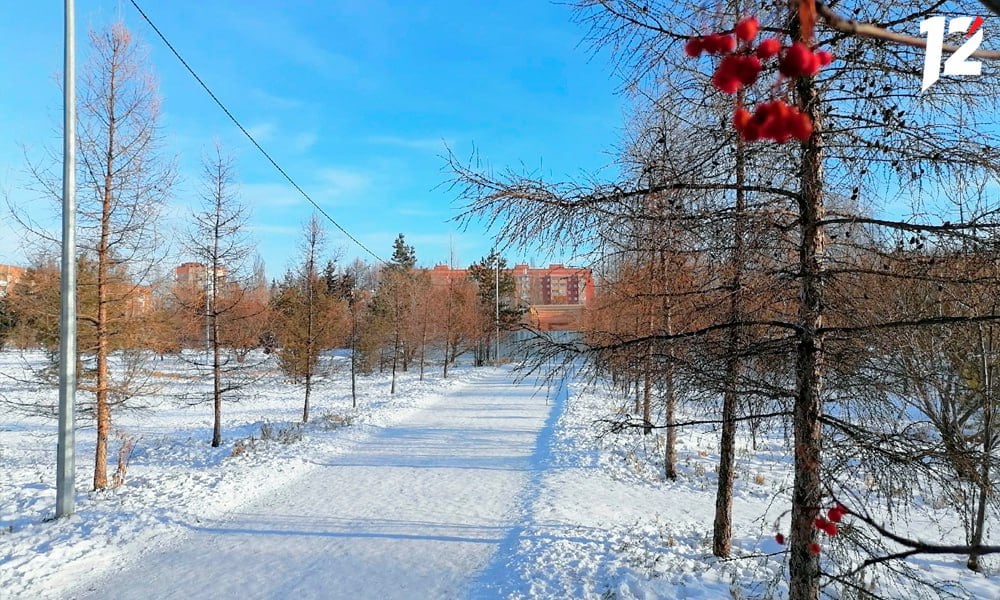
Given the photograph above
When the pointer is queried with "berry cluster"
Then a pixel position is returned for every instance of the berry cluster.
(827, 525)
(773, 120)
(740, 66)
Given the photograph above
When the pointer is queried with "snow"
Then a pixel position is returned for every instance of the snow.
(471, 487)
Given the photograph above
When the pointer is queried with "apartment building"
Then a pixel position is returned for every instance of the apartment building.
(9, 275)
(555, 295)
(197, 275)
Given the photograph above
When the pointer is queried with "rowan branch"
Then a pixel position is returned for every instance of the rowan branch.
(867, 30)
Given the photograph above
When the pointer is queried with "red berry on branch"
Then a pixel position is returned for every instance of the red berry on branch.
(747, 69)
(694, 47)
(751, 133)
(830, 529)
(726, 81)
(718, 43)
(746, 30)
(814, 548)
(768, 48)
(802, 129)
(740, 120)
(835, 515)
(824, 57)
(798, 61)
(779, 538)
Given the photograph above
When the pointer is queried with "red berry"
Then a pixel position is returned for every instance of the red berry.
(746, 30)
(824, 57)
(768, 48)
(748, 68)
(814, 548)
(740, 120)
(835, 515)
(694, 47)
(801, 129)
(726, 43)
(798, 61)
(750, 132)
(779, 538)
(725, 83)
(830, 529)
(712, 43)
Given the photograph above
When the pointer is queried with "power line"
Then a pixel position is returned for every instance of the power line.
(250, 137)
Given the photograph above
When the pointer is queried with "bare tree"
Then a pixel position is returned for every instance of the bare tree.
(218, 242)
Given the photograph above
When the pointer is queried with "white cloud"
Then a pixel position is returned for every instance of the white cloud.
(264, 229)
(338, 182)
(426, 144)
(269, 195)
(262, 132)
(304, 141)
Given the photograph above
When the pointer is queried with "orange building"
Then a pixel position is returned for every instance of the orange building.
(9, 275)
(197, 275)
(556, 294)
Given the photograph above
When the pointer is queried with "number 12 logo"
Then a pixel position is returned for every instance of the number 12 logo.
(957, 63)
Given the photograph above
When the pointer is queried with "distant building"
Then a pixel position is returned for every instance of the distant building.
(197, 275)
(556, 284)
(555, 295)
(9, 275)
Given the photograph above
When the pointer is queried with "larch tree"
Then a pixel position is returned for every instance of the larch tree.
(310, 319)
(217, 240)
(125, 181)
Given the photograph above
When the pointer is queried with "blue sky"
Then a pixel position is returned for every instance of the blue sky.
(356, 99)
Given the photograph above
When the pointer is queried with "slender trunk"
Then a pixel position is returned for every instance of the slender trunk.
(216, 383)
(103, 263)
(305, 406)
(804, 576)
(986, 352)
(647, 393)
(213, 323)
(638, 395)
(354, 358)
(670, 452)
(311, 350)
(395, 352)
(722, 533)
(423, 346)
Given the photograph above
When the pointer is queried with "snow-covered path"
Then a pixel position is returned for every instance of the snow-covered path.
(416, 511)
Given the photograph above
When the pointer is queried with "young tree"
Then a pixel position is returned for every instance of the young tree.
(217, 241)
(310, 319)
(393, 303)
(498, 310)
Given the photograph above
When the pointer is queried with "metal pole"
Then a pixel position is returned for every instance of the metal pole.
(65, 466)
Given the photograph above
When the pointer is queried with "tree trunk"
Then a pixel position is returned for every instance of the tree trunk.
(722, 533)
(103, 264)
(395, 353)
(354, 358)
(216, 383)
(986, 354)
(305, 406)
(804, 574)
(670, 452)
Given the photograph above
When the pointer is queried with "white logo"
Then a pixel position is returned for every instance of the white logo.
(957, 63)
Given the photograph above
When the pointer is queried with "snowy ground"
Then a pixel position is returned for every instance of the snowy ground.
(472, 487)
